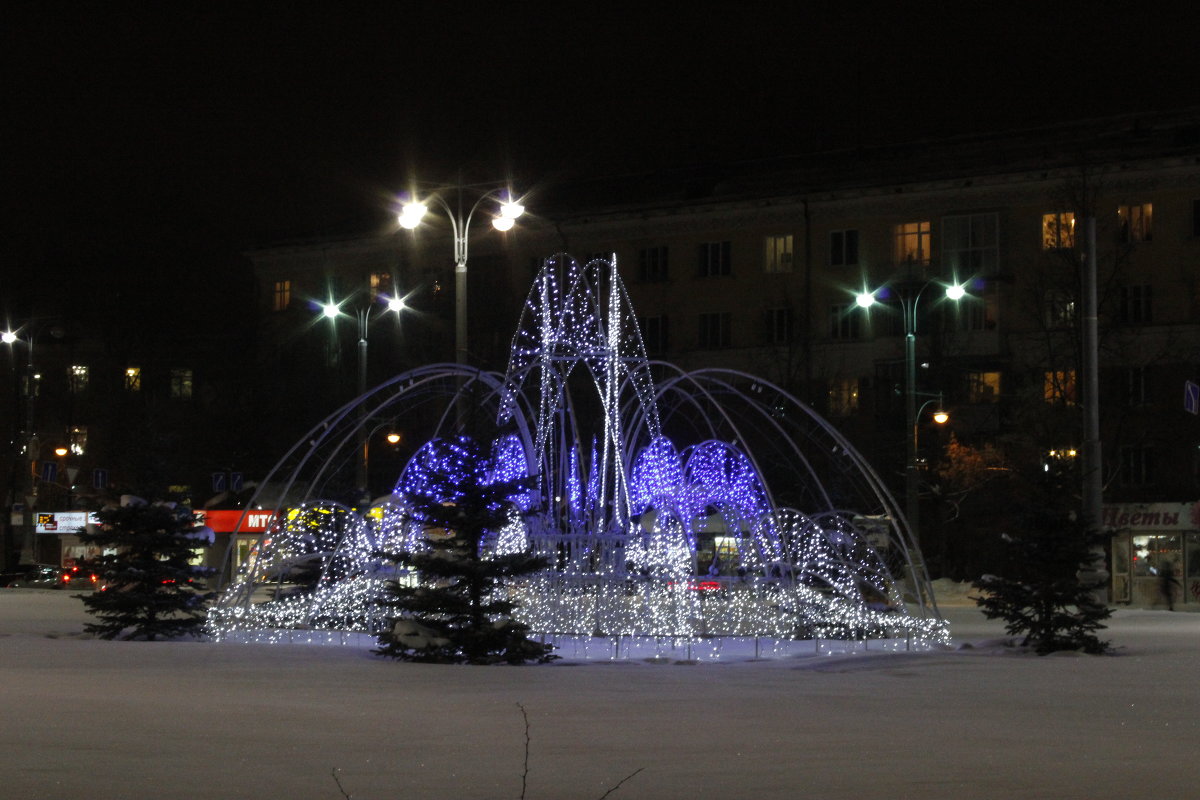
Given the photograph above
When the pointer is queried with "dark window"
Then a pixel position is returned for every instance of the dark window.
(779, 325)
(1060, 309)
(652, 263)
(714, 259)
(845, 321)
(1136, 305)
(843, 248)
(1196, 218)
(1135, 386)
(971, 316)
(971, 244)
(654, 333)
(1137, 465)
(714, 330)
(181, 383)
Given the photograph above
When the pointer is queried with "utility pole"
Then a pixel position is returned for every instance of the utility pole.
(1092, 464)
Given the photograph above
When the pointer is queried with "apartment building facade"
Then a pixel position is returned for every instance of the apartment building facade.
(759, 267)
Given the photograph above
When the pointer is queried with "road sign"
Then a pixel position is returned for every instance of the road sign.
(99, 479)
(218, 481)
(1191, 397)
(235, 481)
(49, 471)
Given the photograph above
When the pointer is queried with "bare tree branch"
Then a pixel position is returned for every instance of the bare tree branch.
(525, 774)
(618, 786)
(334, 772)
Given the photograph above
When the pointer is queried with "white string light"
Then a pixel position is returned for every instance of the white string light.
(620, 511)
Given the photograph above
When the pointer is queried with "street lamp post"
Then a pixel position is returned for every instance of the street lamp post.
(362, 314)
(909, 295)
(410, 217)
(28, 444)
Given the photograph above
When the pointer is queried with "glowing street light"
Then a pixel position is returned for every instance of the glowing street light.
(909, 294)
(362, 314)
(508, 211)
(28, 446)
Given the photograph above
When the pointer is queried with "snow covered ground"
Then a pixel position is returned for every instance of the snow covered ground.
(95, 719)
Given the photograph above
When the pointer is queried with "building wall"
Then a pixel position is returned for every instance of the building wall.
(1005, 359)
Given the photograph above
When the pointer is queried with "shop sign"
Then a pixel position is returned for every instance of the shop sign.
(224, 520)
(63, 521)
(1152, 516)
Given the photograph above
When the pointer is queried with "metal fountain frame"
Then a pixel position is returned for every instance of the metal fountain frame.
(620, 510)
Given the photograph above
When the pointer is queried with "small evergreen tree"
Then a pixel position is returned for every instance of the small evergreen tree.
(456, 612)
(1041, 594)
(150, 591)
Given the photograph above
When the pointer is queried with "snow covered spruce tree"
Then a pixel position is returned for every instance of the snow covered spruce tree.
(456, 611)
(1041, 594)
(150, 590)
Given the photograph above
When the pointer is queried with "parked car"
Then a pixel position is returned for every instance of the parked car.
(46, 576)
(33, 576)
(79, 578)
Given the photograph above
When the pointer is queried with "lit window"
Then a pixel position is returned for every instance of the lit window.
(843, 247)
(714, 330)
(1059, 387)
(1134, 222)
(652, 263)
(983, 387)
(381, 283)
(181, 383)
(912, 243)
(654, 333)
(281, 296)
(1058, 231)
(970, 245)
(1136, 306)
(133, 379)
(843, 397)
(714, 258)
(77, 440)
(845, 321)
(78, 377)
(778, 254)
(779, 325)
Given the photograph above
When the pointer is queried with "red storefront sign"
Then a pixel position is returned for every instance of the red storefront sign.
(224, 520)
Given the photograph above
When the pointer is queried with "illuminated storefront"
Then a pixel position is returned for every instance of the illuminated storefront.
(59, 543)
(60, 528)
(1153, 542)
(223, 522)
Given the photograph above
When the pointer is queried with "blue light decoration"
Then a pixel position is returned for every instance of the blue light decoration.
(677, 509)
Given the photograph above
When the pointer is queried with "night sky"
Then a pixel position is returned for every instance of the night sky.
(138, 135)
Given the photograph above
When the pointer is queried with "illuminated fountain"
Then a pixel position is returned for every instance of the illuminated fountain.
(672, 506)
